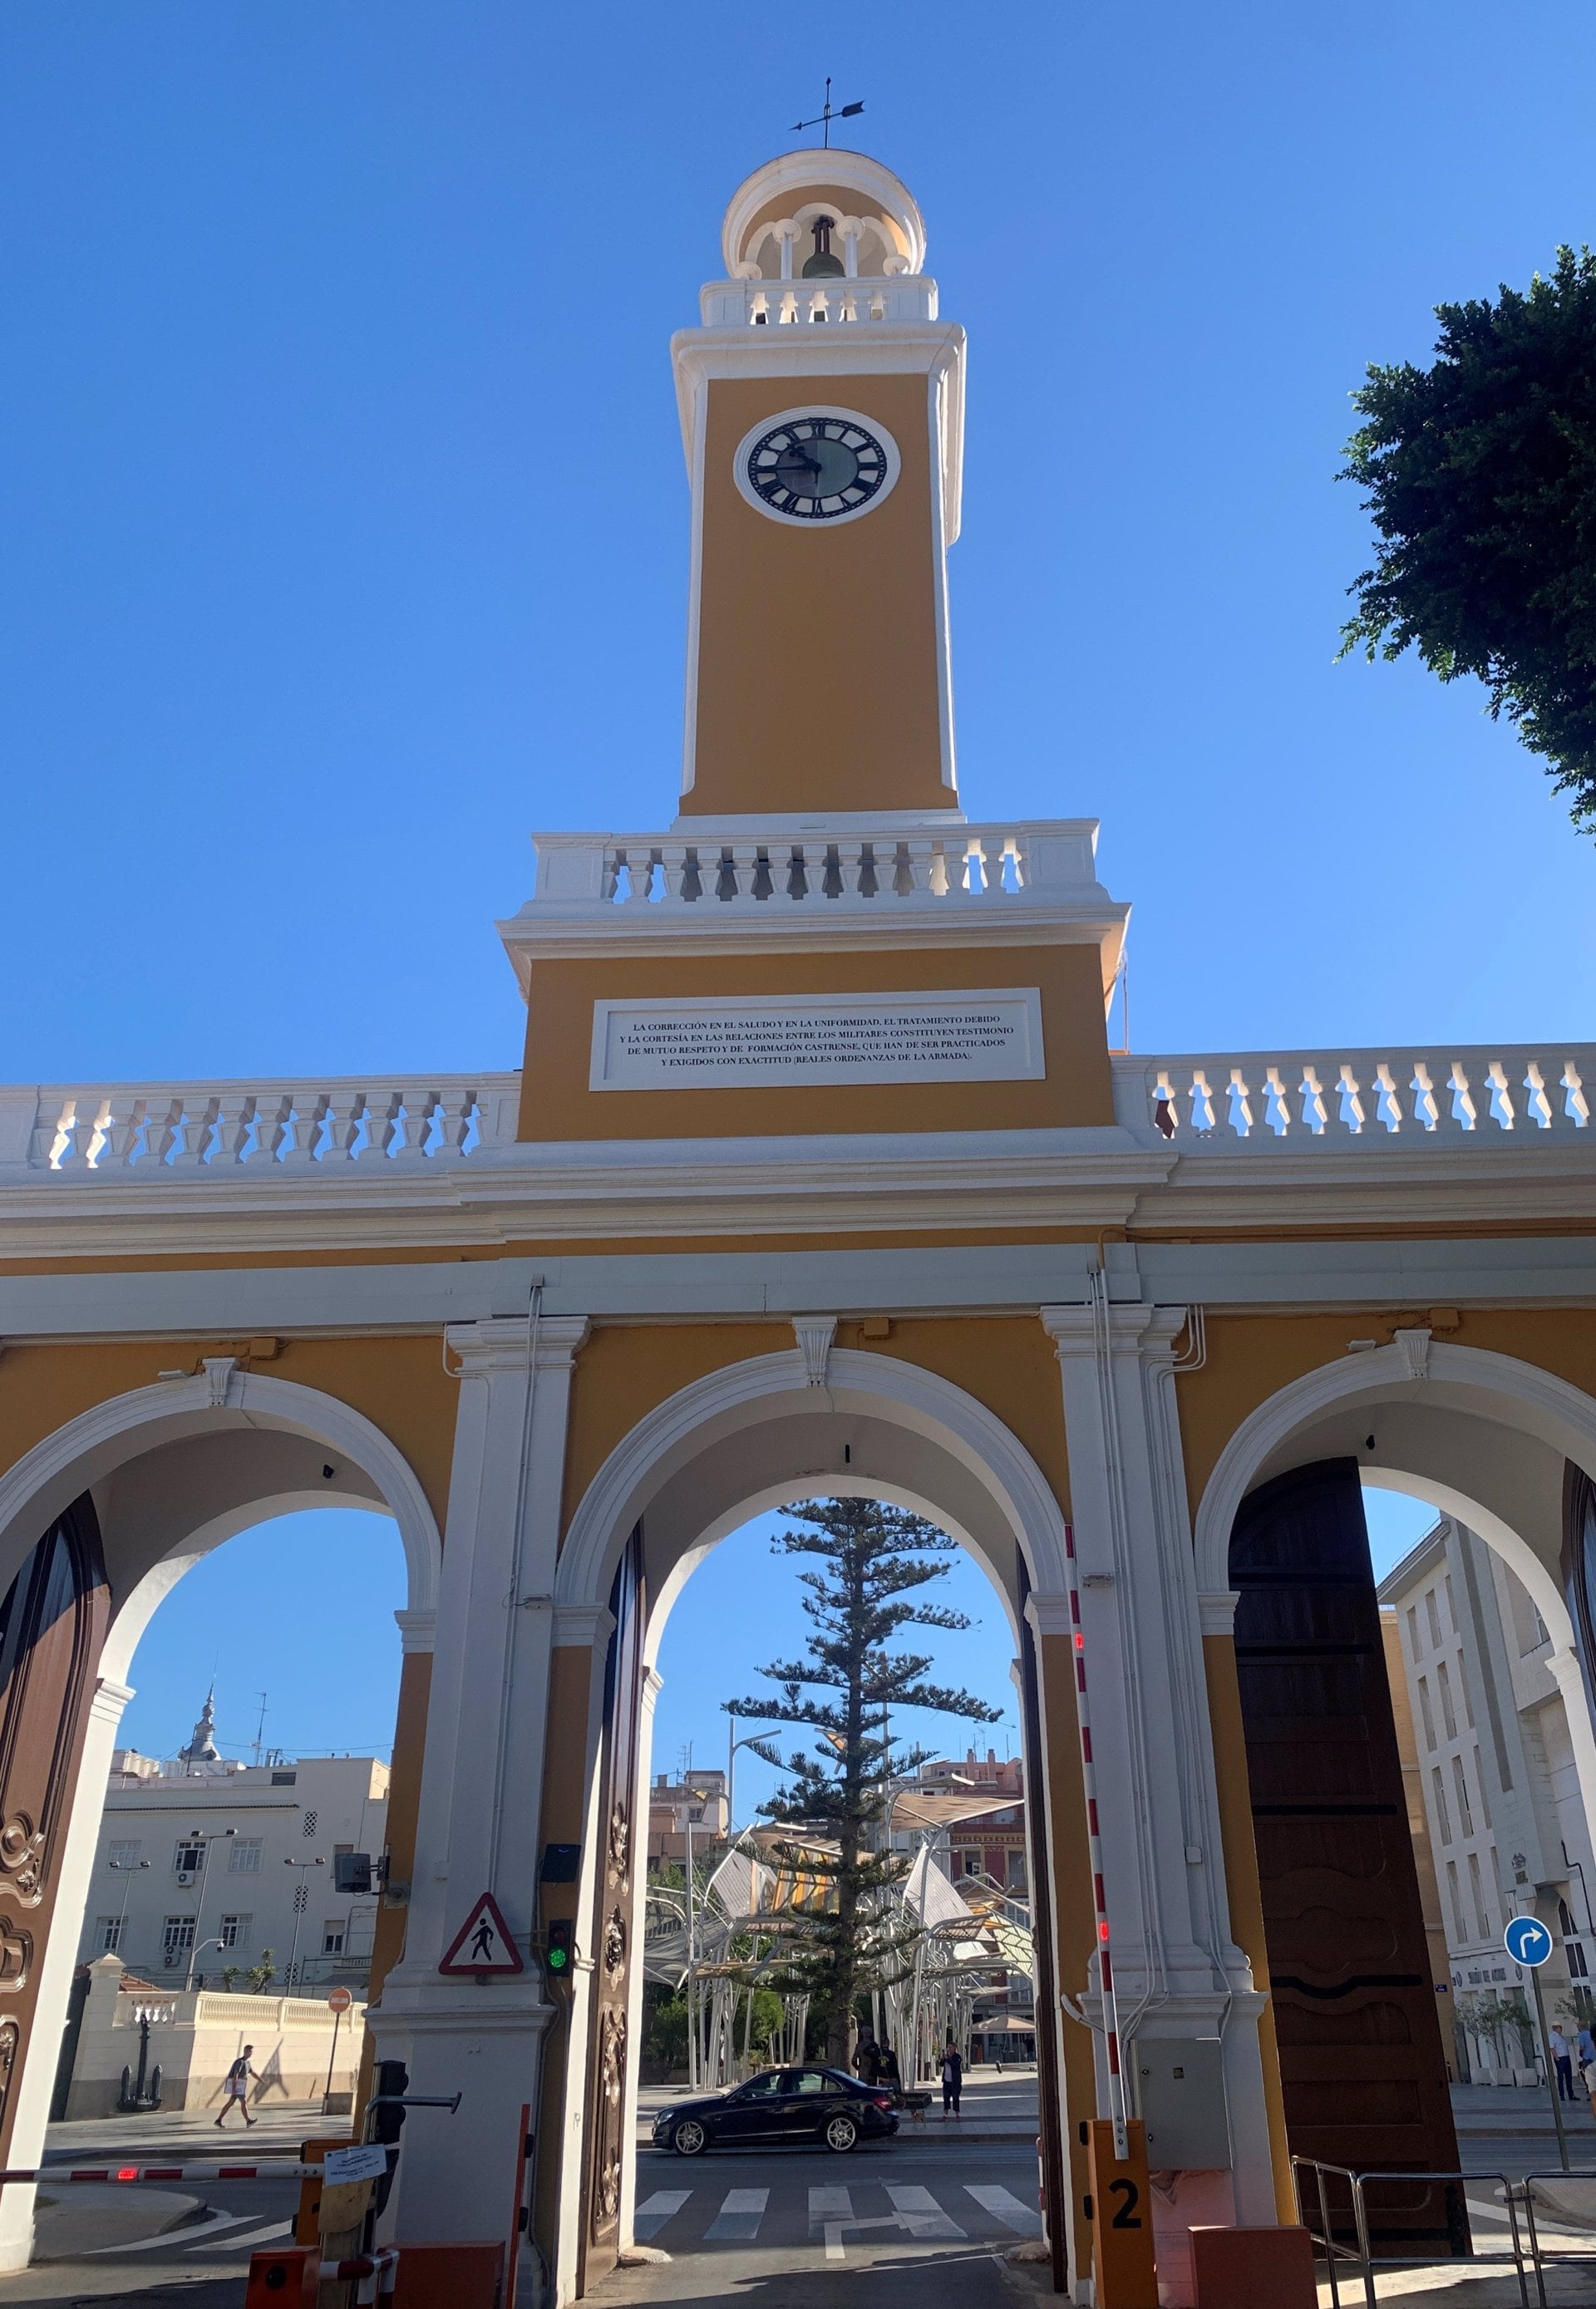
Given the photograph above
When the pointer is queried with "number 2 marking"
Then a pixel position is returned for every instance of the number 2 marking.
(1127, 2217)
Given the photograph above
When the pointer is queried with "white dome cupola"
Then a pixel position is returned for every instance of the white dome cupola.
(818, 215)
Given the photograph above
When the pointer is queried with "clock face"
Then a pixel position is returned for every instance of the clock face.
(816, 465)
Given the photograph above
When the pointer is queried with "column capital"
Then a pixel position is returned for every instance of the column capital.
(1134, 1325)
(584, 1624)
(500, 1343)
(1049, 1615)
(1216, 1610)
(110, 1698)
(418, 1631)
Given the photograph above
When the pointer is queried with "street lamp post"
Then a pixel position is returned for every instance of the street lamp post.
(204, 1842)
(301, 1901)
(750, 1740)
(128, 1868)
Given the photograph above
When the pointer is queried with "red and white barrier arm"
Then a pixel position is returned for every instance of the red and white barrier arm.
(375, 2274)
(278, 2170)
(1088, 1773)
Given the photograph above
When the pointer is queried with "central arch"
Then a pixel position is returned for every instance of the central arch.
(762, 1433)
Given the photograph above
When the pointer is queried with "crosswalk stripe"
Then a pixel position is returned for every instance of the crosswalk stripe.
(1004, 2207)
(273, 2230)
(830, 2205)
(739, 2218)
(923, 2217)
(174, 2240)
(652, 2215)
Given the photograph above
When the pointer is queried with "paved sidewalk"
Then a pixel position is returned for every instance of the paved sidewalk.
(175, 2136)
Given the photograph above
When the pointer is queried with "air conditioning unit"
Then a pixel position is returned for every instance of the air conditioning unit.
(184, 1877)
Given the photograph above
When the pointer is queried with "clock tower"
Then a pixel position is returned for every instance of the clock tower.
(822, 412)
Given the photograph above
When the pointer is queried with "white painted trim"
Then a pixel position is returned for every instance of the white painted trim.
(806, 169)
(898, 1391)
(1384, 1372)
(808, 411)
(47, 1478)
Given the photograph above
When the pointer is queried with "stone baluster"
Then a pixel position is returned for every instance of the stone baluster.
(745, 860)
(640, 860)
(923, 858)
(672, 859)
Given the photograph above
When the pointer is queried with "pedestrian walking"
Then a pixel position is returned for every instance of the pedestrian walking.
(952, 2079)
(891, 2074)
(1562, 2061)
(236, 2085)
(866, 2060)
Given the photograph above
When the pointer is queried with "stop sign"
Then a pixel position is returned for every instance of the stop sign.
(339, 2000)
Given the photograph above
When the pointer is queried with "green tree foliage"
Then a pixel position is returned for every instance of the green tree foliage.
(1481, 474)
(872, 1562)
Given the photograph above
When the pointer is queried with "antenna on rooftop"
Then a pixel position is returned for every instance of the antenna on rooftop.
(260, 1726)
(826, 116)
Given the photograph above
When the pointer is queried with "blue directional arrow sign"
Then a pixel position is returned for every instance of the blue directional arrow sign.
(1528, 1941)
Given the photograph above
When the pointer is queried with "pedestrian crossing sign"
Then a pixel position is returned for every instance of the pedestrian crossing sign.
(482, 1946)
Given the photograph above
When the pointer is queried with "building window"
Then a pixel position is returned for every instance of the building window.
(284, 1779)
(188, 1859)
(243, 1857)
(107, 1934)
(1455, 1890)
(332, 1937)
(1438, 1791)
(1465, 1810)
(307, 1825)
(177, 1937)
(970, 1862)
(1448, 1714)
(1014, 1875)
(1423, 1709)
(1575, 1953)
(233, 1932)
(1451, 1605)
(1413, 1643)
(1485, 1802)
(1477, 1889)
(124, 1852)
(1433, 1616)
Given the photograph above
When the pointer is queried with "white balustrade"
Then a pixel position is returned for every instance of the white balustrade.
(804, 304)
(274, 1128)
(980, 863)
(1298, 1098)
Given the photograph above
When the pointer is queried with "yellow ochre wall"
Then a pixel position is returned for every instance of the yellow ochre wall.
(818, 683)
(556, 1103)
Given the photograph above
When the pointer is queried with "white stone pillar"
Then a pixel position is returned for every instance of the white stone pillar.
(481, 1784)
(57, 1964)
(652, 1683)
(1178, 1973)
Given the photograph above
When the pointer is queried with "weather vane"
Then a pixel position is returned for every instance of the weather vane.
(826, 118)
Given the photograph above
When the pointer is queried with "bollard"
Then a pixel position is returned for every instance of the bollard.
(286, 2278)
(1123, 2276)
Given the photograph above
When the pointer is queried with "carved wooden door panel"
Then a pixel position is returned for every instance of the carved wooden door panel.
(52, 1627)
(1362, 2068)
(609, 1937)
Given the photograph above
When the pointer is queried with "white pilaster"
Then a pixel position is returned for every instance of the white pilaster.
(652, 1683)
(481, 1779)
(56, 1961)
(1177, 1970)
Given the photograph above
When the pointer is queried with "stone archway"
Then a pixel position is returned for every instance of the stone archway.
(168, 1472)
(760, 1434)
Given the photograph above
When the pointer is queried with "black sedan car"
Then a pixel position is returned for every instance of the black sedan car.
(812, 2105)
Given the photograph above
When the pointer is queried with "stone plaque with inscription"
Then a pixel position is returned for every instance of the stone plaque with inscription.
(992, 1034)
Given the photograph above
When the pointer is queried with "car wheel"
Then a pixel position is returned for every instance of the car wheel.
(691, 2138)
(841, 2134)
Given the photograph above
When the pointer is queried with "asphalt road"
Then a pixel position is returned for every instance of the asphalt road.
(203, 2263)
(800, 2226)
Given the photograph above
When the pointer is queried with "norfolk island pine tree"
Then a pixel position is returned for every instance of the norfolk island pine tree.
(875, 1560)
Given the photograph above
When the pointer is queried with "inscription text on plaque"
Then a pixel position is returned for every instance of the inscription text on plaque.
(990, 1034)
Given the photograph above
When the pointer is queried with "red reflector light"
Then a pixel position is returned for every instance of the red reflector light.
(237, 2172)
(127, 2173)
(164, 2171)
(1102, 1932)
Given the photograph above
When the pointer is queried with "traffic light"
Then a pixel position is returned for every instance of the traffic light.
(559, 1949)
(387, 2123)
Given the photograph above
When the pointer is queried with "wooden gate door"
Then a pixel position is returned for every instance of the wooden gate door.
(52, 1627)
(612, 1929)
(1361, 2064)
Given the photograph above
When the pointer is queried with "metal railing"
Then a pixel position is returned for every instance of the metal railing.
(1565, 2252)
(1359, 2261)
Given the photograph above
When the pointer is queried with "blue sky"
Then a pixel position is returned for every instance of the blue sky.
(345, 514)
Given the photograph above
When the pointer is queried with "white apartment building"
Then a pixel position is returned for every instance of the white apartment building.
(205, 1864)
(1506, 1826)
